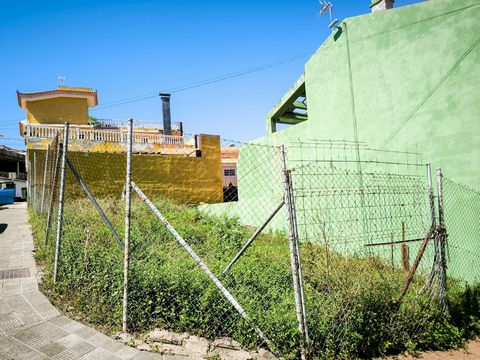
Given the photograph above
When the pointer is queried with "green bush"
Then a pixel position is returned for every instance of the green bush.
(350, 302)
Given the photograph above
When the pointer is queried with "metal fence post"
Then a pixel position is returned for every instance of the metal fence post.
(294, 256)
(52, 191)
(29, 181)
(35, 181)
(128, 194)
(442, 239)
(431, 200)
(45, 170)
(430, 194)
(58, 242)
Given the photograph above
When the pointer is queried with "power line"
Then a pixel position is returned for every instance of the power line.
(247, 71)
(192, 85)
(7, 138)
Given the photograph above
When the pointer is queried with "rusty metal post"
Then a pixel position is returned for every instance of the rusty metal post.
(58, 242)
(442, 263)
(128, 208)
(431, 200)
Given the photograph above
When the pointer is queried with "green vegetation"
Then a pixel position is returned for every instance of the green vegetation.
(350, 301)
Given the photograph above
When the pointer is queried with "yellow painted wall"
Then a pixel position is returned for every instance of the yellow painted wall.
(58, 111)
(187, 180)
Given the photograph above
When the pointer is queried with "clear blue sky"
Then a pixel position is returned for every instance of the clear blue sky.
(128, 48)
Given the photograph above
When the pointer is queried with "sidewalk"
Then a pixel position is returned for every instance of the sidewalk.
(32, 328)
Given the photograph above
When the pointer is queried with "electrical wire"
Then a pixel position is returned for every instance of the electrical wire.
(190, 86)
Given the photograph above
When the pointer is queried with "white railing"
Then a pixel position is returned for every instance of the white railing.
(137, 124)
(89, 133)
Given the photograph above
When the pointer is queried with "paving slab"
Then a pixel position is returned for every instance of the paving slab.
(30, 326)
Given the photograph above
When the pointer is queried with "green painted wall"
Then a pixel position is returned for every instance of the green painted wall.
(407, 79)
(398, 57)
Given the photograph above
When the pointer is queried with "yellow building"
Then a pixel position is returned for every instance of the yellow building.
(187, 171)
(58, 106)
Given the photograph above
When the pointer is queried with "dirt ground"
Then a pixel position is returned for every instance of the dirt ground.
(471, 352)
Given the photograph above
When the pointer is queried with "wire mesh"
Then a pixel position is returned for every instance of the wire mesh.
(361, 215)
(462, 209)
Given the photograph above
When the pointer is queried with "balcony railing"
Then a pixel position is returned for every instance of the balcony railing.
(90, 133)
(137, 124)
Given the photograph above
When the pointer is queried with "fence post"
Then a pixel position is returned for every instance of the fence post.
(44, 185)
(52, 191)
(431, 200)
(442, 238)
(294, 256)
(430, 194)
(58, 243)
(128, 194)
(35, 181)
(29, 182)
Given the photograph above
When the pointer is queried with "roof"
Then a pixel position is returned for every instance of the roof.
(230, 154)
(8, 152)
(62, 91)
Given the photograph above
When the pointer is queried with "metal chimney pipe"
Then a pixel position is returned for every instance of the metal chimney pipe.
(167, 120)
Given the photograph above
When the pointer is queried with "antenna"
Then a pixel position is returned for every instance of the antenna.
(328, 6)
(62, 79)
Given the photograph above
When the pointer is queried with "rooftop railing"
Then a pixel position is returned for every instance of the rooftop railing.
(91, 133)
(137, 124)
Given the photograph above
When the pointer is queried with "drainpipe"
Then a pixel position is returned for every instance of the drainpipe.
(167, 121)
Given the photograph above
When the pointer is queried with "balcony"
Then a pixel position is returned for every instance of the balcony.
(113, 133)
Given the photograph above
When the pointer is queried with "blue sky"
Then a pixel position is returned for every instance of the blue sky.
(128, 48)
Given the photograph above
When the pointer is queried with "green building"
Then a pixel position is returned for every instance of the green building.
(403, 79)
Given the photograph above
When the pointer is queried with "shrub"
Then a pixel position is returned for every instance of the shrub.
(350, 302)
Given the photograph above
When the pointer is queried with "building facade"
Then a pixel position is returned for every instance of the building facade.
(187, 171)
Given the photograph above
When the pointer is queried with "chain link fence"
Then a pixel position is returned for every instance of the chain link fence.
(323, 249)
(462, 209)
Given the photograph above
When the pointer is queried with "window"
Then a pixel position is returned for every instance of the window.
(229, 172)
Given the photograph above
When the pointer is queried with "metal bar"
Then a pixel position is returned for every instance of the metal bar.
(53, 190)
(430, 194)
(44, 185)
(299, 261)
(253, 237)
(35, 181)
(200, 263)
(431, 200)
(128, 209)
(414, 267)
(440, 196)
(442, 240)
(29, 182)
(393, 242)
(405, 251)
(293, 255)
(94, 202)
(58, 243)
